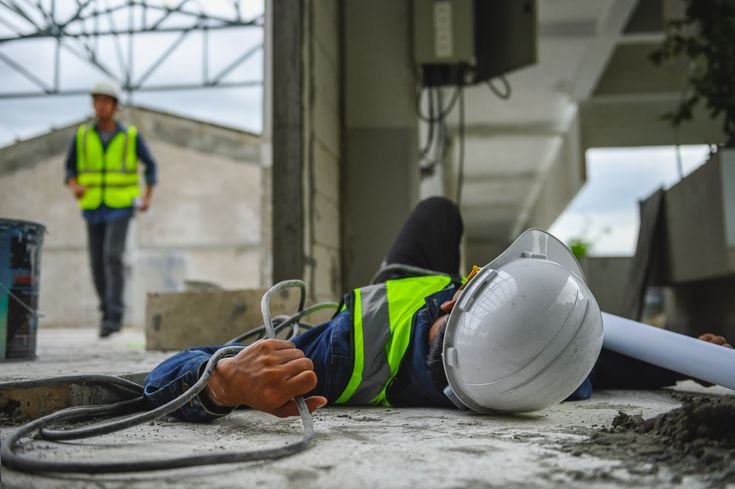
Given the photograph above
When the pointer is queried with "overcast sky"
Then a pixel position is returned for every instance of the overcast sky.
(238, 107)
(604, 212)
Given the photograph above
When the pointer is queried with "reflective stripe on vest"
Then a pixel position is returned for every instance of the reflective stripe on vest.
(382, 321)
(110, 175)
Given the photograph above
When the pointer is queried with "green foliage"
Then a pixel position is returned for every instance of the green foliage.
(579, 247)
(707, 38)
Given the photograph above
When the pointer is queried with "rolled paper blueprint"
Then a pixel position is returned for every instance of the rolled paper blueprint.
(689, 356)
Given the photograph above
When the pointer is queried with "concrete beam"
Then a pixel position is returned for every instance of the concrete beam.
(24, 154)
(629, 71)
(531, 128)
(600, 48)
(206, 137)
(573, 29)
(635, 120)
(557, 186)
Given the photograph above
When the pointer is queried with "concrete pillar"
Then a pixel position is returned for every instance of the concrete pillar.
(266, 150)
(306, 134)
(379, 172)
(287, 138)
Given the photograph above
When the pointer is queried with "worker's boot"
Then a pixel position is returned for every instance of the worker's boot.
(108, 327)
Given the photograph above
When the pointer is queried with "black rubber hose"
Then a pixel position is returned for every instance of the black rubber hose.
(15, 461)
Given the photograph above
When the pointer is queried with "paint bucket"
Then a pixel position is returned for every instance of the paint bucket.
(20, 267)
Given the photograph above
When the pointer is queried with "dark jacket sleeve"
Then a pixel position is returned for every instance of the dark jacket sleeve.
(71, 161)
(144, 155)
(174, 376)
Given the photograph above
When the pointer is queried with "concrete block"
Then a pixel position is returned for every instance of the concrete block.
(699, 223)
(179, 320)
(21, 404)
(607, 277)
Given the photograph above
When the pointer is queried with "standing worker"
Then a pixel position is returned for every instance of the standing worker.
(103, 175)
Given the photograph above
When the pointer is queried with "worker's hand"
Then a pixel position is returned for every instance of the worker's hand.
(76, 189)
(717, 340)
(265, 376)
(145, 203)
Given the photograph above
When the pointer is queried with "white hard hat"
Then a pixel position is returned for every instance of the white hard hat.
(111, 89)
(525, 332)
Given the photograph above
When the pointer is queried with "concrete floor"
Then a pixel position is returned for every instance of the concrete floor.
(354, 447)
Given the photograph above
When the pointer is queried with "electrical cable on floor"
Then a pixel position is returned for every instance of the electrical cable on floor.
(11, 459)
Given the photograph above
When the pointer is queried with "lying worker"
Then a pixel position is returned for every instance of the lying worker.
(388, 345)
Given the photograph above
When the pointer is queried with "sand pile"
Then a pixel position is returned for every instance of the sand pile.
(697, 438)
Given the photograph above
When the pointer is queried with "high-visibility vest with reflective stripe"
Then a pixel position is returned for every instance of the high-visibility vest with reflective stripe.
(109, 175)
(382, 321)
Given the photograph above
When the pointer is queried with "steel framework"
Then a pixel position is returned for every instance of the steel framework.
(79, 27)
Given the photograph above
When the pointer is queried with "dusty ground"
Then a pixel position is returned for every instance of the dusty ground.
(572, 445)
(696, 438)
(600, 443)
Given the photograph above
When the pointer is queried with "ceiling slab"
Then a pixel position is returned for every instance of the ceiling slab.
(511, 144)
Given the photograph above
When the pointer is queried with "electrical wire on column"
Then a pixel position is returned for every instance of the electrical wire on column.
(435, 149)
(507, 90)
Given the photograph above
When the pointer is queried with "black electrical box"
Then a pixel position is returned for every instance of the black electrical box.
(464, 42)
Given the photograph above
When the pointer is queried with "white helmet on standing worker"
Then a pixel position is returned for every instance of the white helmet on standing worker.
(525, 332)
(109, 88)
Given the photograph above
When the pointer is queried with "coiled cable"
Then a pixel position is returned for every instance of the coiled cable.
(12, 459)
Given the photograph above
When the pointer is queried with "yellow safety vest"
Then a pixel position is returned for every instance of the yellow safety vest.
(382, 319)
(109, 175)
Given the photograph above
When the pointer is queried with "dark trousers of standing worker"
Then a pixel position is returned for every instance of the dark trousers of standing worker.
(106, 249)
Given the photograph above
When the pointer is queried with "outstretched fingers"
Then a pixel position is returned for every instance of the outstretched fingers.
(715, 339)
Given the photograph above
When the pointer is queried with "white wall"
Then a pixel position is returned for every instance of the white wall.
(205, 224)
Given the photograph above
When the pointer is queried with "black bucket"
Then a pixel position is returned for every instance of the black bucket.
(20, 269)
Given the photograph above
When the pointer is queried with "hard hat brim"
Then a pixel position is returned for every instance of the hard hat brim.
(537, 242)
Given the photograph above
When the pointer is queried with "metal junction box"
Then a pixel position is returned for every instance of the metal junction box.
(463, 42)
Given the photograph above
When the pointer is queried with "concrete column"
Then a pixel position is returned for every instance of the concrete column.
(266, 150)
(380, 174)
(287, 138)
